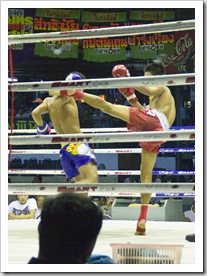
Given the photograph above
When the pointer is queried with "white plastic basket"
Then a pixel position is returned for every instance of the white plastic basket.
(128, 253)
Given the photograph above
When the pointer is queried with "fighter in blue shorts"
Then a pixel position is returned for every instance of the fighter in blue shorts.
(75, 155)
(77, 159)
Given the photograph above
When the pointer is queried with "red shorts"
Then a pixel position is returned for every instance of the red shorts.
(145, 120)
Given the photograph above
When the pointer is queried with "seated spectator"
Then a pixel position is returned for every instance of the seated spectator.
(22, 208)
(189, 215)
(68, 229)
(105, 204)
(39, 199)
(37, 179)
(131, 179)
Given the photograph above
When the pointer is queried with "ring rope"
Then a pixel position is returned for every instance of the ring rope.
(120, 189)
(103, 32)
(103, 137)
(92, 130)
(106, 83)
(100, 172)
(126, 150)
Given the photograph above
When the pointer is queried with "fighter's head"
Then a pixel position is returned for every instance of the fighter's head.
(154, 69)
(75, 76)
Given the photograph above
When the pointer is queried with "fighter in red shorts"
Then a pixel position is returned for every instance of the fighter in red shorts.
(159, 115)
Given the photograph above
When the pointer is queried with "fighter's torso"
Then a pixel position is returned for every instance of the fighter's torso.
(166, 104)
(64, 117)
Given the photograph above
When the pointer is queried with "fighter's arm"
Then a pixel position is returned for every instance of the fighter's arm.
(39, 110)
(31, 215)
(42, 126)
(150, 90)
(121, 71)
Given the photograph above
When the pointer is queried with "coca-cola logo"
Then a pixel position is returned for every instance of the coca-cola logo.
(183, 44)
(183, 49)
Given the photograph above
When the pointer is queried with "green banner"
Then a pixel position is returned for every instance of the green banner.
(58, 13)
(151, 15)
(141, 47)
(104, 17)
(61, 49)
(23, 124)
(52, 22)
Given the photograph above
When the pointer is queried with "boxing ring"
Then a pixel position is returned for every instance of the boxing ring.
(114, 230)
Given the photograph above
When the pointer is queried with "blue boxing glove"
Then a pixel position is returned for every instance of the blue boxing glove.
(43, 130)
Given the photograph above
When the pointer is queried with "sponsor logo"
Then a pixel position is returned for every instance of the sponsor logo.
(186, 172)
(63, 189)
(68, 84)
(64, 140)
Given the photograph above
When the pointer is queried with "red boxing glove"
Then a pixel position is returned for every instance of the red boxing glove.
(120, 71)
(129, 94)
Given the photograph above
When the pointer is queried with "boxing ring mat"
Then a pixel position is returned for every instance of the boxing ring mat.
(22, 245)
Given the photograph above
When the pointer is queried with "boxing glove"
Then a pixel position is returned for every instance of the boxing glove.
(77, 94)
(120, 71)
(43, 130)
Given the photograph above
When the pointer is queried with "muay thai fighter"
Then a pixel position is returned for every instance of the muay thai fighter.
(77, 159)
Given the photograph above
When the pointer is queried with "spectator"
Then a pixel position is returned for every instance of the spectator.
(19, 113)
(22, 208)
(189, 215)
(104, 204)
(97, 119)
(37, 179)
(131, 179)
(39, 199)
(68, 229)
(85, 119)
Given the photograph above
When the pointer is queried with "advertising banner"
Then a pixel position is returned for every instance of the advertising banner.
(52, 20)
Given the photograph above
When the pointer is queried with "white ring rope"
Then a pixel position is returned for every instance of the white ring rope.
(111, 189)
(103, 172)
(87, 130)
(103, 32)
(103, 137)
(84, 130)
(97, 151)
(105, 83)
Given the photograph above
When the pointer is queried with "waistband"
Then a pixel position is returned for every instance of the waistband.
(162, 118)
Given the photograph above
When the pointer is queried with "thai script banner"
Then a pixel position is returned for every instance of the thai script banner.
(20, 22)
(141, 47)
(104, 17)
(176, 49)
(51, 20)
(151, 15)
(23, 124)
(58, 13)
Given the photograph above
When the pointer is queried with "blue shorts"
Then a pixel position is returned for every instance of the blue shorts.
(75, 155)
